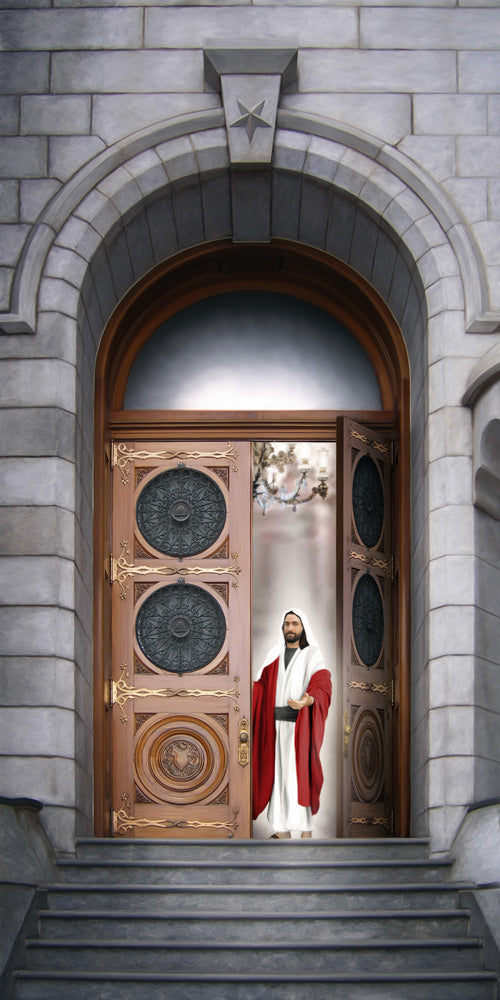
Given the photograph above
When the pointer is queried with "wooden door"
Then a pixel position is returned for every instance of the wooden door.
(365, 554)
(180, 689)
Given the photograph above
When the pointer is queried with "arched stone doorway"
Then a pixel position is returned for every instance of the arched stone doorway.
(170, 188)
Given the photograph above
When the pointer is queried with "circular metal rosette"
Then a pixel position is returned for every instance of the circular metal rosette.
(367, 620)
(367, 743)
(367, 502)
(181, 512)
(180, 759)
(180, 628)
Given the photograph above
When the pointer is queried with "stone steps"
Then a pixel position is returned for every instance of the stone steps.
(251, 872)
(210, 956)
(247, 920)
(181, 925)
(253, 899)
(282, 986)
(369, 849)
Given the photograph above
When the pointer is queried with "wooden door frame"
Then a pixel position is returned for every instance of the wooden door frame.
(189, 277)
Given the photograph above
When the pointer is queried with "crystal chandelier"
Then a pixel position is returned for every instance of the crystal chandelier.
(271, 463)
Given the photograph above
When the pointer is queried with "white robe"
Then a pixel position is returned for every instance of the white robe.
(284, 811)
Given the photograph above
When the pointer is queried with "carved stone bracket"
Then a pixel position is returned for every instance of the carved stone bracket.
(250, 78)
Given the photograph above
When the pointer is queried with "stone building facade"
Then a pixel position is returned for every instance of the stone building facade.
(384, 153)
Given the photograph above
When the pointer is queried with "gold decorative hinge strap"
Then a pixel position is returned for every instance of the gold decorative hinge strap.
(384, 689)
(123, 823)
(385, 821)
(121, 456)
(121, 570)
(385, 448)
(385, 564)
(121, 692)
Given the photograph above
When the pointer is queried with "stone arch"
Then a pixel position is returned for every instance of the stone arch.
(170, 188)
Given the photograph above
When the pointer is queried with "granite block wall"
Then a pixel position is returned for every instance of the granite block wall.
(386, 155)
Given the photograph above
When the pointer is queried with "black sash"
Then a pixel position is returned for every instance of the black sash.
(286, 713)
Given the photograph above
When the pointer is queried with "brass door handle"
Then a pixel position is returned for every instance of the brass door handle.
(347, 732)
(243, 742)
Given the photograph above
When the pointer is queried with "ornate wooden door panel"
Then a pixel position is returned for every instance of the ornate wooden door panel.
(365, 630)
(180, 689)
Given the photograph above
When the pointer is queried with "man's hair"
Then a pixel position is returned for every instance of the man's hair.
(303, 641)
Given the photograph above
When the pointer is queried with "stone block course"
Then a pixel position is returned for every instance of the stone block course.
(385, 116)
(12, 239)
(33, 631)
(9, 201)
(429, 29)
(451, 781)
(34, 196)
(23, 156)
(386, 72)
(37, 431)
(127, 72)
(37, 531)
(118, 115)
(451, 729)
(37, 580)
(55, 115)
(9, 115)
(37, 482)
(478, 156)
(451, 681)
(330, 27)
(24, 72)
(51, 681)
(68, 153)
(435, 154)
(49, 778)
(478, 72)
(71, 29)
(42, 382)
(439, 114)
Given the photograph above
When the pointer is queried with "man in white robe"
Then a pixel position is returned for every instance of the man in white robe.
(292, 694)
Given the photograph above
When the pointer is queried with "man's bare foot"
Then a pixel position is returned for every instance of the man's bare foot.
(305, 834)
(280, 836)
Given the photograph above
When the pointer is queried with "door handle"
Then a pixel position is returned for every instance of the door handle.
(243, 742)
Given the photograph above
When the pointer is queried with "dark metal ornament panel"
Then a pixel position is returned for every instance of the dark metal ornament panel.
(181, 512)
(181, 628)
(367, 620)
(368, 501)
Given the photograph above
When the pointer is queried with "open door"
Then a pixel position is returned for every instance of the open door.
(180, 673)
(365, 631)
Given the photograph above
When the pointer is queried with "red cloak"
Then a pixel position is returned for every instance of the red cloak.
(309, 732)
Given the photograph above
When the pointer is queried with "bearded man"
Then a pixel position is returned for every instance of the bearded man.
(291, 698)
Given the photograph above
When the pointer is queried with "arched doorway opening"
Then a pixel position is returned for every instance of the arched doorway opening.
(318, 279)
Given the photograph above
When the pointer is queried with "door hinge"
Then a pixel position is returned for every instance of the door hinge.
(114, 454)
(393, 692)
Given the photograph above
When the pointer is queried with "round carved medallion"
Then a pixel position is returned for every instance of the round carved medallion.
(180, 759)
(180, 628)
(367, 501)
(181, 512)
(367, 755)
(367, 620)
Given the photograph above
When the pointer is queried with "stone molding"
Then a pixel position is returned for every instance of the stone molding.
(446, 226)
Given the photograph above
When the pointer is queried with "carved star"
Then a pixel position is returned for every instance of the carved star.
(251, 119)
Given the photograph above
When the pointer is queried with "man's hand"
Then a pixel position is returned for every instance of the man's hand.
(306, 699)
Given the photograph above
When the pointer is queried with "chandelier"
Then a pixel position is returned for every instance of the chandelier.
(271, 463)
